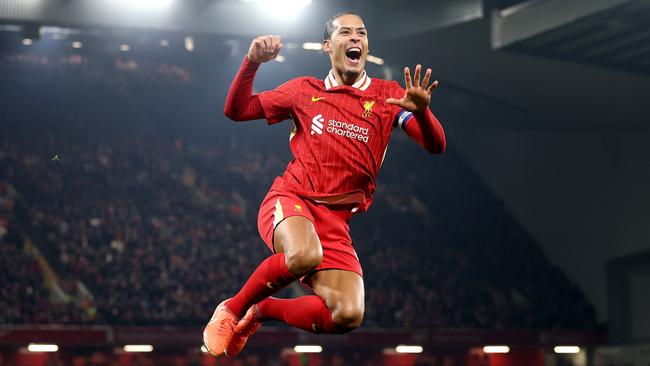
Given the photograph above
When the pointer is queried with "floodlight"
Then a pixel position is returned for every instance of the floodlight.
(567, 349)
(496, 349)
(308, 349)
(138, 348)
(36, 347)
(402, 348)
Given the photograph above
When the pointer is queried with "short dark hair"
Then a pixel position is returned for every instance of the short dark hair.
(329, 28)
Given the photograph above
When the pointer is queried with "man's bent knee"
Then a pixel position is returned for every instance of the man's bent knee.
(303, 259)
(347, 318)
(343, 293)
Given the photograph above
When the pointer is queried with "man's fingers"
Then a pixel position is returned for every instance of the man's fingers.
(407, 78)
(277, 51)
(427, 76)
(275, 45)
(394, 101)
(255, 50)
(267, 43)
(259, 44)
(277, 42)
(416, 76)
(265, 48)
(432, 87)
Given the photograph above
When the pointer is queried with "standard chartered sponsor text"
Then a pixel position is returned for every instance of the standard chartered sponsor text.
(348, 130)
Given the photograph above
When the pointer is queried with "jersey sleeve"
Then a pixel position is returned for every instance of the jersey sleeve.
(279, 102)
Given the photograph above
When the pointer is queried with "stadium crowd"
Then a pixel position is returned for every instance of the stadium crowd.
(24, 296)
(151, 202)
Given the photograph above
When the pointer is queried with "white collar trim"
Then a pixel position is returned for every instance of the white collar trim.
(362, 84)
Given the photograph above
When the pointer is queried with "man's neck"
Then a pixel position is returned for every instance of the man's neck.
(346, 78)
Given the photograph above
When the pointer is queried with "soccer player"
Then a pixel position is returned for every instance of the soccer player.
(342, 125)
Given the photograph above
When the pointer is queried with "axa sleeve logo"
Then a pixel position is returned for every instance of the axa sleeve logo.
(317, 124)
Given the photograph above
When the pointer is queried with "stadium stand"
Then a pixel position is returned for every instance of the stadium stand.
(148, 205)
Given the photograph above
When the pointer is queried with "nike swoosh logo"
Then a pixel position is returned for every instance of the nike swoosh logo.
(314, 99)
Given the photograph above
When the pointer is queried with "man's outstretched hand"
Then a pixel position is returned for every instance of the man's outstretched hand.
(265, 48)
(418, 94)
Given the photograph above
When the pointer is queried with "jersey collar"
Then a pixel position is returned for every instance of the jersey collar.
(362, 84)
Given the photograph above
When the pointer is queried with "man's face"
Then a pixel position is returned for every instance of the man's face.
(348, 46)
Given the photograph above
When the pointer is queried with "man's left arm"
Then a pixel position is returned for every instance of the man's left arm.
(415, 118)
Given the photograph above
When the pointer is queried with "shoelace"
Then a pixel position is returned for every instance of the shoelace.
(251, 329)
(226, 326)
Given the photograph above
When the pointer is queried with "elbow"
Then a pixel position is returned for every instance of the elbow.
(227, 111)
(442, 146)
(230, 113)
(436, 148)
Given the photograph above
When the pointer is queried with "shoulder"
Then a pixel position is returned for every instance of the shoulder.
(384, 82)
(304, 82)
(386, 88)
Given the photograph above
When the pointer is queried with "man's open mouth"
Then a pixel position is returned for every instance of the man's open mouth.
(353, 54)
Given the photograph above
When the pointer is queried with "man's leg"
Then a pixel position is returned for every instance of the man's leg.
(298, 251)
(338, 303)
(336, 307)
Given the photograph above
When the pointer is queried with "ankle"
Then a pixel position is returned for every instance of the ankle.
(229, 309)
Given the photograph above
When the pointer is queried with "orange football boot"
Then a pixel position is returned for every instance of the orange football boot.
(220, 329)
(247, 326)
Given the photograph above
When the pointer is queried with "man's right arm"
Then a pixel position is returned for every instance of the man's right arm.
(241, 104)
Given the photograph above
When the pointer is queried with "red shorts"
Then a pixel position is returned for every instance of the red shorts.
(331, 223)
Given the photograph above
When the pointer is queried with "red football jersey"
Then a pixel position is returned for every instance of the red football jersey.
(340, 135)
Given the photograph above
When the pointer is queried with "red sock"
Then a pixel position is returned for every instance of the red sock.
(269, 277)
(306, 312)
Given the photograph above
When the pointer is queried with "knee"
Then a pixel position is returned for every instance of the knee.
(348, 317)
(304, 258)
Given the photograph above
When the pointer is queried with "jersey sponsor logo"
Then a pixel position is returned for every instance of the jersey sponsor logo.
(349, 130)
(316, 99)
(317, 124)
(367, 108)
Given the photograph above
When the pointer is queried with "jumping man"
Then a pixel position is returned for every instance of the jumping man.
(342, 126)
